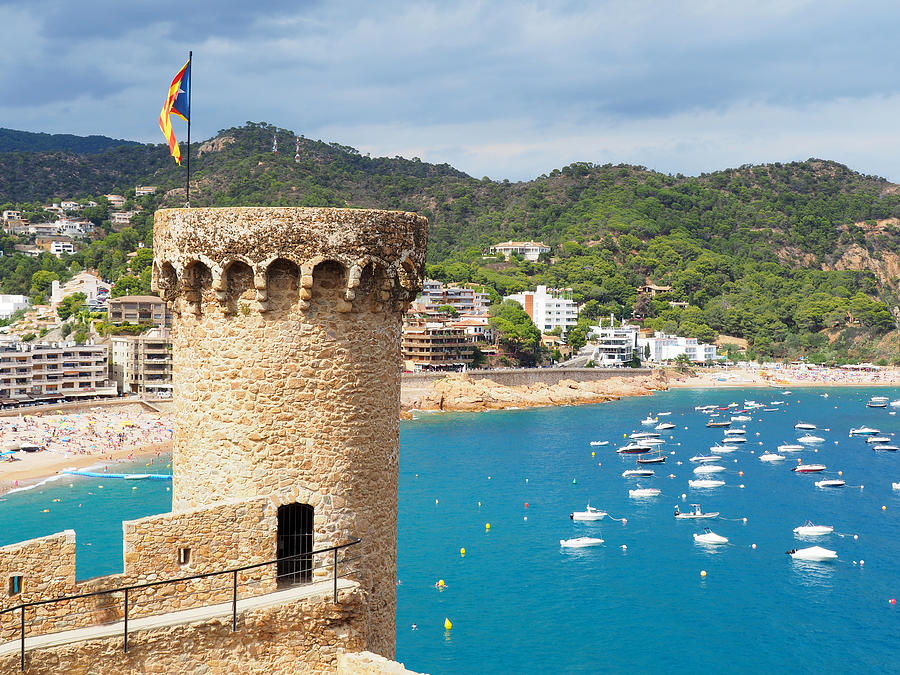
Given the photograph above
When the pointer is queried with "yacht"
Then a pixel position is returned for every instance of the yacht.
(694, 513)
(809, 468)
(705, 458)
(637, 473)
(705, 483)
(790, 447)
(647, 421)
(806, 426)
(830, 482)
(639, 435)
(590, 513)
(634, 449)
(722, 449)
(735, 432)
(810, 439)
(595, 443)
(580, 542)
(886, 448)
(813, 553)
(864, 431)
(711, 424)
(709, 537)
(643, 492)
(709, 468)
(664, 426)
(810, 530)
(771, 457)
(877, 439)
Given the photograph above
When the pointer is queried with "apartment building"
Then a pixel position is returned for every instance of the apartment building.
(549, 308)
(139, 309)
(434, 345)
(143, 190)
(142, 364)
(662, 347)
(46, 372)
(616, 345)
(462, 297)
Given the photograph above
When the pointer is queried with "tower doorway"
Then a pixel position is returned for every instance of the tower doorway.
(294, 544)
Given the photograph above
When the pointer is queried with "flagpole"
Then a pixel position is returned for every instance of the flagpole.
(187, 189)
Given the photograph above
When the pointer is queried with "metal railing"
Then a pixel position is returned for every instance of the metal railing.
(205, 575)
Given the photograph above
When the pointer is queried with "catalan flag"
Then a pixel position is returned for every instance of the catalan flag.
(178, 102)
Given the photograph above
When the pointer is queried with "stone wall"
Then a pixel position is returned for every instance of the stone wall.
(286, 337)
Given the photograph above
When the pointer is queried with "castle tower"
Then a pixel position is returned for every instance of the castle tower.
(286, 333)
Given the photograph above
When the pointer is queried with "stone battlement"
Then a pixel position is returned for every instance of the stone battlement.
(213, 256)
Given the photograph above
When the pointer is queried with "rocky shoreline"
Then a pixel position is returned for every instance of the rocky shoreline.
(463, 394)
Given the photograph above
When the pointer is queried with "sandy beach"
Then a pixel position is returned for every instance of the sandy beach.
(92, 438)
(785, 376)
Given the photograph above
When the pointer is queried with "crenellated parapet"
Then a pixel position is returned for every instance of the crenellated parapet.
(234, 258)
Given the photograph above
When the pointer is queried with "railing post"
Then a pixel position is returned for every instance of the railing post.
(334, 571)
(23, 638)
(234, 604)
(125, 642)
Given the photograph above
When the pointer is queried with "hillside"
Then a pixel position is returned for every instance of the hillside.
(12, 140)
(796, 258)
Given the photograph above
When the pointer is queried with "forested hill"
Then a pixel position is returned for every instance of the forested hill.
(12, 140)
(796, 258)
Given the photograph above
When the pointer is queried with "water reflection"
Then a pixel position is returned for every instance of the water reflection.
(813, 574)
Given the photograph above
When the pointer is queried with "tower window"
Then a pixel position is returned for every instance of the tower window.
(184, 556)
(15, 585)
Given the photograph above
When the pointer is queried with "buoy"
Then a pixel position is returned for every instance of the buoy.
(134, 488)
(447, 624)
(525, 518)
(487, 526)
(479, 504)
(840, 473)
(624, 435)
(740, 473)
(462, 552)
(441, 584)
(593, 454)
(46, 511)
(435, 501)
(489, 477)
(574, 481)
(862, 562)
(526, 480)
(884, 508)
(741, 486)
(855, 537)
(753, 546)
(526, 505)
(893, 601)
(683, 496)
(702, 573)
(745, 519)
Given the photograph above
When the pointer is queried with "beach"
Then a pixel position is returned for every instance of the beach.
(77, 440)
(780, 376)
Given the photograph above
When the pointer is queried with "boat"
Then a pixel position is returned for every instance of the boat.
(722, 449)
(637, 473)
(589, 513)
(137, 476)
(830, 482)
(895, 486)
(709, 537)
(580, 542)
(709, 468)
(705, 458)
(649, 420)
(705, 483)
(704, 408)
(658, 458)
(741, 418)
(643, 434)
(810, 530)
(734, 439)
(711, 424)
(663, 426)
(880, 399)
(878, 439)
(634, 449)
(864, 431)
(895, 403)
(806, 426)
(886, 448)
(663, 414)
(808, 468)
(771, 457)
(735, 432)
(776, 402)
(809, 439)
(652, 441)
(694, 514)
(790, 447)
(872, 403)
(770, 409)
(595, 443)
(643, 492)
(813, 553)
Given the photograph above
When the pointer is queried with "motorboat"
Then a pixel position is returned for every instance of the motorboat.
(649, 420)
(643, 492)
(886, 448)
(664, 414)
(709, 537)
(808, 468)
(776, 402)
(712, 424)
(694, 514)
(640, 435)
(809, 439)
(864, 431)
(880, 399)
(790, 447)
(872, 403)
(806, 426)
(709, 468)
(770, 409)
(652, 441)
(895, 403)
(705, 483)
(658, 458)
(704, 408)
(735, 432)
(741, 418)
(705, 458)
(589, 513)
(596, 443)
(663, 426)
(580, 542)
(878, 439)
(771, 457)
(734, 439)
(810, 530)
(637, 473)
(722, 449)
(895, 486)
(634, 449)
(830, 482)
(813, 553)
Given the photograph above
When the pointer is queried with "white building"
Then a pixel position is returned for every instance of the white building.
(549, 309)
(95, 289)
(12, 215)
(143, 190)
(58, 247)
(664, 347)
(10, 304)
(615, 345)
(70, 206)
(117, 201)
(530, 250)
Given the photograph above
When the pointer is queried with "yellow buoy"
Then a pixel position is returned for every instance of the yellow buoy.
(462, 552)
(487, 526)
(593, 454)
(447, 624)
(435, 501)
(702, 573)
(440, 583)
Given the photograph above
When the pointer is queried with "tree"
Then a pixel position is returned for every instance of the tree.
(41, 281)
(517, 332)
(448, 310)
(130, 285)
(71, 305)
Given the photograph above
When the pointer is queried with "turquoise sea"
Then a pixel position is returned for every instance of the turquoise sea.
(520, 603)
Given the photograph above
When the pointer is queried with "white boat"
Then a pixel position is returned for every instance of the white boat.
(771, 457)
(663, 426)
(722, 449)
(639, 435)
(649, 420)
(864, 431)
(808, 468)
(652, 441)
(810, 530)
(776, 402)
(580, 542)
(895, 403)
(595, 443)
(735, 432)
(734, 439)
(705, 458)
(714, 425)
(709, 468)
(590, 513)
(643, 492)
(814, 553)
(830, 482)
(895, 486)
(637, 473)
(809, 439)
(790, 447)
(872, 403)
(805, 425)
(709, 537)
(880, 399)
(741, 418)
(634, 449)
(886, 448)
(663, 414)
(705, 483)
(878, 439)
(694, 514)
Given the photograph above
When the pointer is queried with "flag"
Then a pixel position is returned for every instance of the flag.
(177, 102)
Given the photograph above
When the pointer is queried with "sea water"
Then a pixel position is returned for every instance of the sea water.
(519, 603)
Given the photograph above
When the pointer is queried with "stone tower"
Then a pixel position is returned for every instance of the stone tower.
(286, 332)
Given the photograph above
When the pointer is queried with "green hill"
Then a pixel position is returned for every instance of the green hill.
(12, 140)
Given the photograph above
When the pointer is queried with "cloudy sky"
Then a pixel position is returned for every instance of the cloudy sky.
(499, 88)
